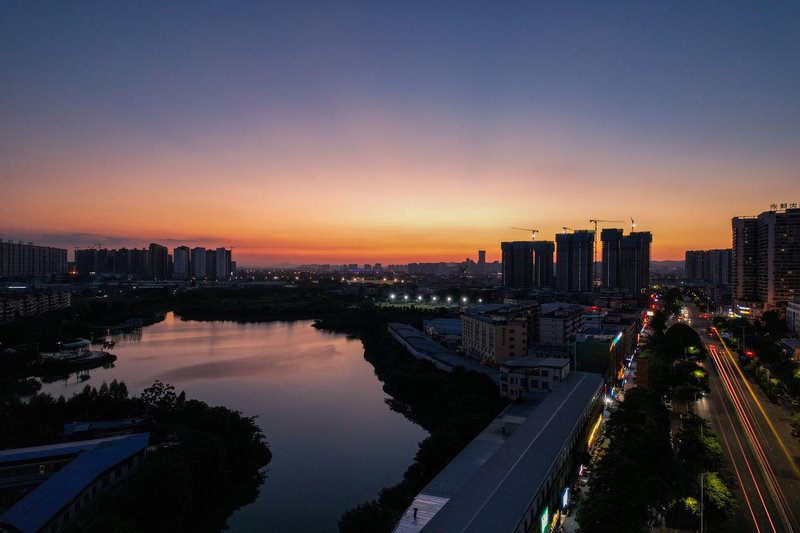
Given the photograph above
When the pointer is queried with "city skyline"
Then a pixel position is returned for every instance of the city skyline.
(312, 134)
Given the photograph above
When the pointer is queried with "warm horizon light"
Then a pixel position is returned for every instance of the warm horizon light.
(371, 133)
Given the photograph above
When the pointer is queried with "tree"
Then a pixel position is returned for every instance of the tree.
(720, 505)
(161, 397)
(639, 433)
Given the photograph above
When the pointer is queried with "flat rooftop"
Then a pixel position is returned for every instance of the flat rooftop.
(497, 495)
(425, 345)
(533, 362)
(474, 455)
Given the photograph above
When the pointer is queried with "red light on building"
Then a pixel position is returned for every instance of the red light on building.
(750, 354)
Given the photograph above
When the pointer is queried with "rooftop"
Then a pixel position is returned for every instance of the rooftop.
(570, 310)
(497, 495)
(453, 476)
(425, 345)
(39, 506)
(59, 449)
(535, 362)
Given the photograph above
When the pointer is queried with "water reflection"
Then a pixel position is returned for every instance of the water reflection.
(335, 441)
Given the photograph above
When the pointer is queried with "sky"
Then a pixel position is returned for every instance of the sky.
(385, 131)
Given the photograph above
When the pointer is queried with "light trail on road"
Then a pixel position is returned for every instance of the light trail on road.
(749, 433)
(785, 450)
(734, 383)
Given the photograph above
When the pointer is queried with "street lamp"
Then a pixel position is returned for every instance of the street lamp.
(701, 393)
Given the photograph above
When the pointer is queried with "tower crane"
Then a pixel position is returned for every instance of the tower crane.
(633, 224)
(534, 232)
(595, 221)
(565, 229)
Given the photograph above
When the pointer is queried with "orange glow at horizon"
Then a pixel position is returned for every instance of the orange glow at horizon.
(381, 194)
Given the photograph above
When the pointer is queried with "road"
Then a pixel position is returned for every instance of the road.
(756, 438)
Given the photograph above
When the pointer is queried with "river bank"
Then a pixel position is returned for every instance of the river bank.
(452, 408)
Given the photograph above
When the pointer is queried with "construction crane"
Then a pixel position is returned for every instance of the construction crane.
(534, 232)
(633, 224)
(565, 229)
(595, 221)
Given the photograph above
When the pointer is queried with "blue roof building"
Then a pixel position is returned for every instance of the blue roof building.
(97, 465)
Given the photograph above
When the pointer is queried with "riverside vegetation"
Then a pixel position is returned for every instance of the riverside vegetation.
(212, 469)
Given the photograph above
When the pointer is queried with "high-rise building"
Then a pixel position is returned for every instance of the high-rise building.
(711, 267)
(766, 258)
(158, 261)
(223, 263)
(626, 261)
(527, 265)
(634, 262)
(140, 261)
(611, 238)
(778, 257)
(198, 262)
(481, 257)
(180, 258)
(745, 259)
(517, 264)
(122, 261)
(211, 264)
(543, 252)
(574, 261)
(23, 260)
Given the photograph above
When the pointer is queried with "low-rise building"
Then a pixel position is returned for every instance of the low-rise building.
(793, 315)
(13, 306)
(66, 477)
(531, 374)
(791, 347)
(599, 351)
(557, 327)
(629, 324)
(497, 332)
(518, 480)
(446, 331)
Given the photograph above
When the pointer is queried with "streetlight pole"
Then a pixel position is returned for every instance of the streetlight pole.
(702, 501)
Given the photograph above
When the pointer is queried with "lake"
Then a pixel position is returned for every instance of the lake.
(334, 440)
